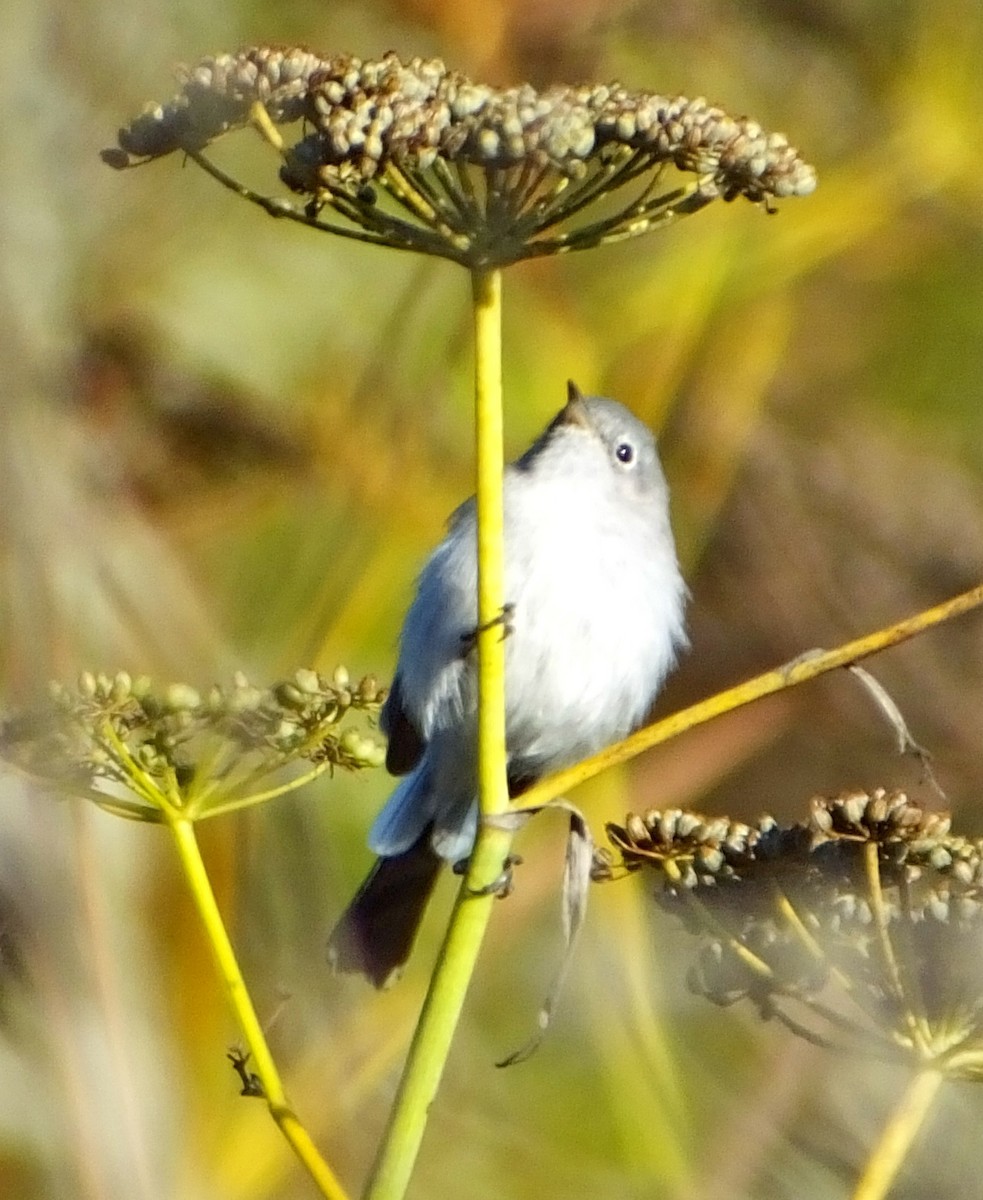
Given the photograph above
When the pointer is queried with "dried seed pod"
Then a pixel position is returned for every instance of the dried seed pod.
(870, 894)
(478, 174)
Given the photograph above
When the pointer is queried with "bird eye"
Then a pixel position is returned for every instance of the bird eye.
(625, 453)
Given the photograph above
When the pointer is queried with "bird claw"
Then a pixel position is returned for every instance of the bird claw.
(502, 885)
(504, 618)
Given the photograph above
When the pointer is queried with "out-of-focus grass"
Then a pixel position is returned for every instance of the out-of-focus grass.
(226, 442)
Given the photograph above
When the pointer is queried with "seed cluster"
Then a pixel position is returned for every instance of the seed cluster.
(463, 159)
(113, 732)
(871, 892)
(711, 851)
(368, 114)
(216, 96)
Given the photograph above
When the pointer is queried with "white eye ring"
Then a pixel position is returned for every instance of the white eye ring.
(625, 453)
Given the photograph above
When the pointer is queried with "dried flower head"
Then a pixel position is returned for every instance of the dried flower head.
(863, 923)
(415, 156)
(138, 750)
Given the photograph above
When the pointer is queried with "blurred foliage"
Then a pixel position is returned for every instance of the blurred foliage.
(227, 444)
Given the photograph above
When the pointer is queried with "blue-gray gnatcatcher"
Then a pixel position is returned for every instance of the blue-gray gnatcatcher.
(594, 622)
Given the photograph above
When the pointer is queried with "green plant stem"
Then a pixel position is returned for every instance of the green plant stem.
(799, 670)
(898, 1137)
(492, 789)
(261, 1060)
(455, 965)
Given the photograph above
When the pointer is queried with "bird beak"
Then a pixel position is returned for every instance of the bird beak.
(575, 411)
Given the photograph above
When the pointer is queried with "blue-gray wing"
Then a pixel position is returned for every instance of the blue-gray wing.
(435, 687)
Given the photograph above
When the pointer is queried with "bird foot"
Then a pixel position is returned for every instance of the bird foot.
(502, 885)
(504, 619)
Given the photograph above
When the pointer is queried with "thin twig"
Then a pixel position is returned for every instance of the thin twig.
(799, 670)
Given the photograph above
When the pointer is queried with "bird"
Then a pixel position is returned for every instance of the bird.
(594, 622)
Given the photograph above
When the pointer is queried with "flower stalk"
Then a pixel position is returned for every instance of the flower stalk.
(898, 1136)
(260, 1059)
(462, 942)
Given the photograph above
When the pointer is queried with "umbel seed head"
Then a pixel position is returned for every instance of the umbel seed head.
(413, 155)
(860, 926)
(135, 747)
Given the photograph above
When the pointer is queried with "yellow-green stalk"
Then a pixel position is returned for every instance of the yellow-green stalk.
(799, 670)
(260, 1058)
(898, 1136)
(455, 965)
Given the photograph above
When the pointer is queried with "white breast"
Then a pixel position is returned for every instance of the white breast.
(597, 620)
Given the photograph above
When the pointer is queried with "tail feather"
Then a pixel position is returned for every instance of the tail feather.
(376, 932)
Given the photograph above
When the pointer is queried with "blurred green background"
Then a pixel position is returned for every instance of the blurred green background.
(227, 443)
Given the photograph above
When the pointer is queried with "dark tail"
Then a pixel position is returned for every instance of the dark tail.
(376, 932)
